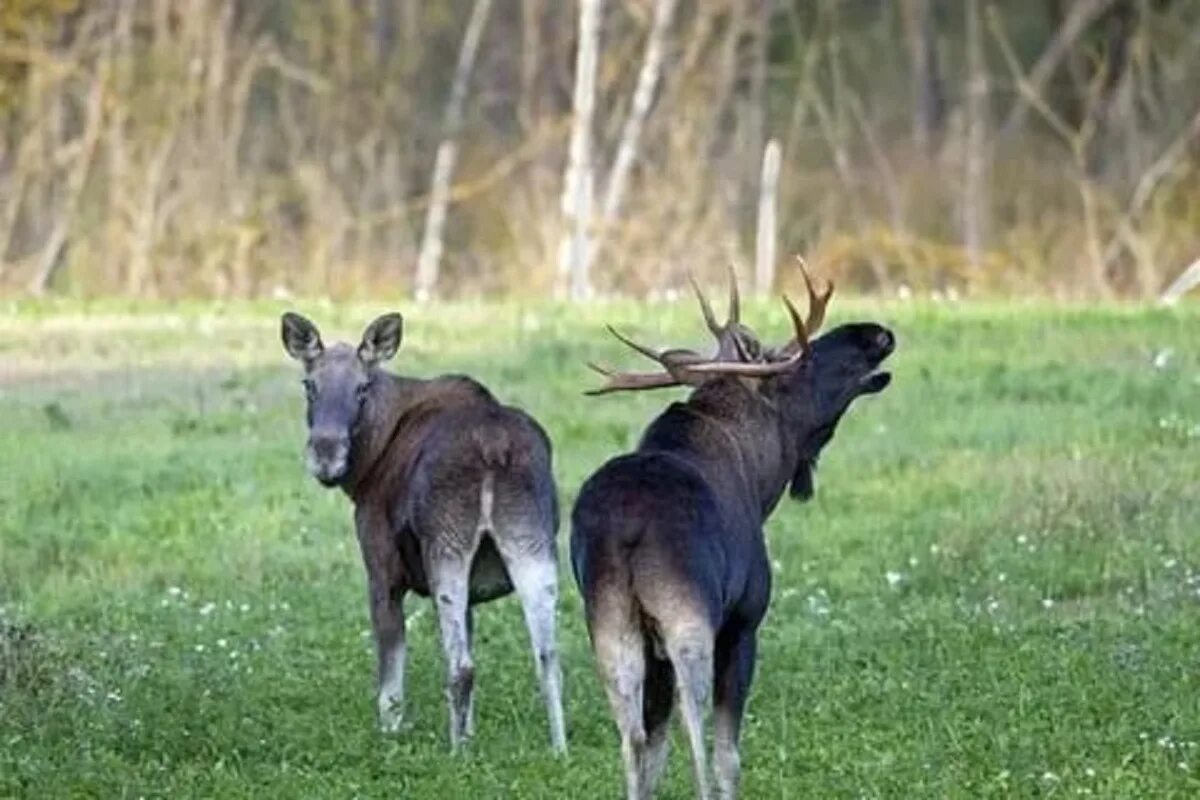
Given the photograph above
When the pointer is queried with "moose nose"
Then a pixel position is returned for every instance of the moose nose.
(329, 445)
(885, 340)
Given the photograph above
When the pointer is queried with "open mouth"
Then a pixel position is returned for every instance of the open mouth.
(877, 380)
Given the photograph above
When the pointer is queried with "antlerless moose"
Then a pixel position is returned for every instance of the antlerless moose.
(453, 499)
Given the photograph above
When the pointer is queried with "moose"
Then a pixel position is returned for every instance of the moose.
(667, 542)
(453, 499)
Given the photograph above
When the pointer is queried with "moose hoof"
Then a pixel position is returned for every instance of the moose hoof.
(393, 723)
(391, 719)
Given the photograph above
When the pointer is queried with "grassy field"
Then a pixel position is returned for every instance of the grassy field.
(995, 593)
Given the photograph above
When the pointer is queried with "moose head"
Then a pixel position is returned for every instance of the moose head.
(337, 382)
(808, 382)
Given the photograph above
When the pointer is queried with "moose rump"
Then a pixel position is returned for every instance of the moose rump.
(674, 587)
(480, 482)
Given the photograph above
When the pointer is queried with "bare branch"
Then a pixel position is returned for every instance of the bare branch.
(1083, 13)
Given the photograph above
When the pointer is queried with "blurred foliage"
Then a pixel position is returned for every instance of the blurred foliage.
(257, 147)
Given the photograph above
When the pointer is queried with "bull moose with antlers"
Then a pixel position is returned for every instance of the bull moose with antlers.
(667, 542)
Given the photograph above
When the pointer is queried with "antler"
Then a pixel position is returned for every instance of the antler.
(687, 367)
(710, 319)
(675, 361)
(817, 301)
(735, 342)
(735, 305)
(735, 300)
(755, 369)
(630, 381)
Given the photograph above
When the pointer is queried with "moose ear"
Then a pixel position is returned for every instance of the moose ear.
(381, 339)
(301, 339)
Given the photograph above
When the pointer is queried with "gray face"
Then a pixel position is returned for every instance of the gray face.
(337, 382)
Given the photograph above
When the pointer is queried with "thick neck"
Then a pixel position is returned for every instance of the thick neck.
(736, 437)
(391, 398)
(398, 414)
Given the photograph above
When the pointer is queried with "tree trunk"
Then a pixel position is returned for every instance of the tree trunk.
(51, 258)
(765, 242)
(1188, 279)
(577, 195)
(627, 150)
(974, 206)
(929, 101)
(1083, 13)
(429, 259)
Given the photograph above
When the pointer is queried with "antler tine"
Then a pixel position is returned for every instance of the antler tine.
(747, 370)
(649, 353)
(710, 319)
(630, 381)
(816, 300)
(735, 300)
(801, 332)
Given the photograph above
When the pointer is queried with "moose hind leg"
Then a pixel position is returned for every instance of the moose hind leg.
(658, 700)
(449, 582)
(534, 576)
(690, 649)
(618, 641)
(734, 672)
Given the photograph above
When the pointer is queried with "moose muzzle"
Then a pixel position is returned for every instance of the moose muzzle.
(328, 455)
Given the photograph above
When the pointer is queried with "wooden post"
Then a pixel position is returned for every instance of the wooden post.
(768, 191)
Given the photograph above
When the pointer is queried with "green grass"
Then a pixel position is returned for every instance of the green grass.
(995, 592)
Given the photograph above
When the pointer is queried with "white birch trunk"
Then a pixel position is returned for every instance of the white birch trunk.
(430, 257)
(50, 259)
(765, 241)
(573, 278)
(1187, 280)
(975, 174)
(631, 132)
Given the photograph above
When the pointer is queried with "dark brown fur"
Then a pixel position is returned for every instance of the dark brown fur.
(668, 549)
(453, 498)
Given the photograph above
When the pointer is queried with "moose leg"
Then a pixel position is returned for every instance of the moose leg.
(658, 699)
(690, 648)
(734, 670)
(385, 594)
(449, 580)
(471, 649)
(387, 622)
(535, 578)
(619, 644)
